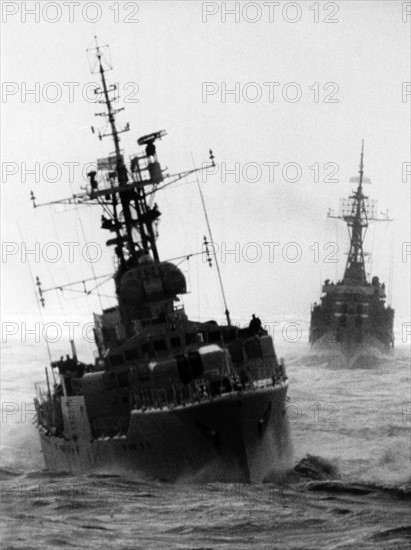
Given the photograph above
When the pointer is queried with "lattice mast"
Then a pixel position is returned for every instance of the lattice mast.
(357, 220)
(357, 211)
(138, 196)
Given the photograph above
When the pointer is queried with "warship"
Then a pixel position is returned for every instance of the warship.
(352, 315)
(166, 396)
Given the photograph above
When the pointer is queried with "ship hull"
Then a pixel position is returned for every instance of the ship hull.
(369, 353)
(350, 344)
(237, 437)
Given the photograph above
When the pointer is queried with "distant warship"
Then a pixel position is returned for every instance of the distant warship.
(166, 396)
(352, 313)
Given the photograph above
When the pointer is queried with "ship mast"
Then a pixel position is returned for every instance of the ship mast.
(122, 177)
(357, 211)
(121, 171)
(357, 220)
(123, 190)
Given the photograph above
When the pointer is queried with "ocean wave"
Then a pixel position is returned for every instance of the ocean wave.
(338, 486)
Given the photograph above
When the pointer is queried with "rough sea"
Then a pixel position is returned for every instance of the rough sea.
(348, 484)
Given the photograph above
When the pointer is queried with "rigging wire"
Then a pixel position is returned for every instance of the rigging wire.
(198, 287)
(370, 263)
(82, 292)
(186, 257)
(91, 264)
(391, 268)
(35, 293)
(337, 237)
(85, 239)
(77, 233)
(61, 303)
(227, 313)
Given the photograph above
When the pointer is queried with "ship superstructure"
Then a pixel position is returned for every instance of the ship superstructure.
(352, 311)
(167, 396)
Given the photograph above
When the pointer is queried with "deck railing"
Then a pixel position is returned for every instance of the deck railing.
(200, 390)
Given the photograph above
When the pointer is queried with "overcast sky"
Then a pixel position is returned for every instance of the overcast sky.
(178, 59)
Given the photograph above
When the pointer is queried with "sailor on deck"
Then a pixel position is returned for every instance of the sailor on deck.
(255, 325)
